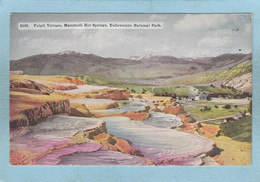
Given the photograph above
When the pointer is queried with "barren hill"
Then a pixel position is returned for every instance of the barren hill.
(146, 69)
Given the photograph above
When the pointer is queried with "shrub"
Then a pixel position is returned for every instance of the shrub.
(139, 96)
(227, 106)
(205, 109)
(208, 98)
(133, 91)
(147, 108)
(250, 107)
(143, 91)
(241, 130)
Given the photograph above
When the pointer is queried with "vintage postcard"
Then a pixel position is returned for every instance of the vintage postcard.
(131, 89)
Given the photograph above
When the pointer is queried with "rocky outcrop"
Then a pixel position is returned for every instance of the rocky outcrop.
(109, 94)
(189, 123)
(18, 120)
(70, 95)
(113, 143)
(29, 86)
(99, 135)
(66, 79)
(62, 87)
(37, 113)
(30, 91)
(49, 79)
(177, 109)
(90, 133)
(242, 82)
(186, 118)
(62, 106)
(101, 106)
(33, 115)
(79, 110)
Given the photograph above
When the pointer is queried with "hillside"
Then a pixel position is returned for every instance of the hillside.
(74, 63)
(139, 70)
(208, 77)
(242, 82)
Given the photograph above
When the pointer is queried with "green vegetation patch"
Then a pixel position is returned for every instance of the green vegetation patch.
(215, 122)
(212, 76)
(237, 70)
(178, 90)
(240, 130)
(97, 80)
(212, 103)
(138, 88)
(222, 90)
(246, 106)
(214, 112)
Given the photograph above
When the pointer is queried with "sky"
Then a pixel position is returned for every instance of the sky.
(182, 35)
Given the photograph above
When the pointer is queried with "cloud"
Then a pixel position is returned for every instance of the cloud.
(193, 34)
(45, 45)
(201, 21)
(103, 39)
(215, 41)
(77, 40)
(200, 53)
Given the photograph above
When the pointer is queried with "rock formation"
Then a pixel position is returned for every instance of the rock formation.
(110, 94)
(29, 86)
(99, 135)
(178, 109)
(33, 115)
(79, 110)
(242, 82)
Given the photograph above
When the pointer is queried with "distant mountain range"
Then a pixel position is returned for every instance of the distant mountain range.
(146, 69)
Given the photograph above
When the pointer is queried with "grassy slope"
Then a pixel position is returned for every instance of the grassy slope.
(231, 92)
(212, 103)
(234, 152)
(224, 90)
(178, 90)
(98, 80)
(215, 112)
(212, 76)
(236, 144)
(240, 130)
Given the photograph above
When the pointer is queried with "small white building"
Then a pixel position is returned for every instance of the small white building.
(196, 98)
